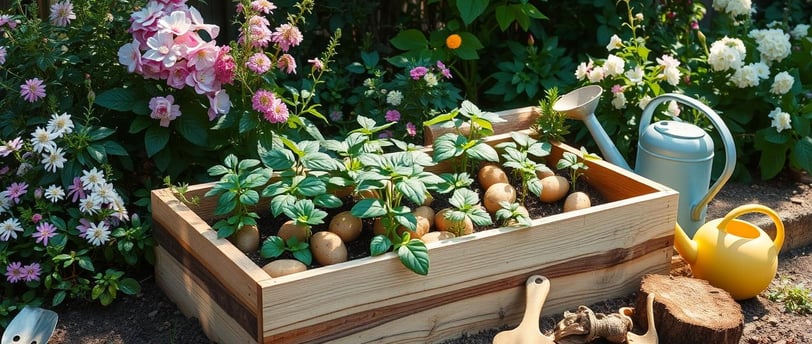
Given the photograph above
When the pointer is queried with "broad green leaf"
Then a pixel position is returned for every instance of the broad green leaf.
(59, 297)
(119, 99)
(379, 245)
(280, 202)
(802, 153)
(272, 247)
(480, 217)
(86, 263)
(367, 208)
(504, 16)
(445, 147)
(129, 286)
(114, 148)
(410, 39)
(413, 189)
(278, 160)
(327, 201)
(318, 161)
(534, 186)
(249, 197)
(155, 139)
(217, 170)
(97, 152)
(471, 9)
(415, 256)
(140, 123)
(303, 256)
(772, 161)
(407, 220)
(193, 129)
(483, 152)
(311, 186)
(225, 203)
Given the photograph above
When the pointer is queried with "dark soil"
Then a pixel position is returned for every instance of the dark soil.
(150, 317)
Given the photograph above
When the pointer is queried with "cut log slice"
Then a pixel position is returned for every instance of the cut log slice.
(689, 310)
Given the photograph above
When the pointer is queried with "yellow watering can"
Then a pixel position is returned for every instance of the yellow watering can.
(732, 254)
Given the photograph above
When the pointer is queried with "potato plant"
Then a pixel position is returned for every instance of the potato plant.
(466, 142)
(237, 193)
(517, 155)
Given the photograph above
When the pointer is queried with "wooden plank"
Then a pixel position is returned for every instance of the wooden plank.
(194, 300)
(506, 306)
(237, 272)
(489, 255)
(206, 280)
(515, 120)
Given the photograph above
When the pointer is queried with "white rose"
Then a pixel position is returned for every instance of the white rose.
(394, 98)
(619, 101)
(596, 74)
(782, 83)
(780, 120)
(673, 109)
(773, 44)
(635, 75)
(746, 76)
(614, 65)
(800, 31)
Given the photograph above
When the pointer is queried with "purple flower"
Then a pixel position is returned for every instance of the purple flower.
(36, 218)
(443, 70)
(16, 190)
(11, 146)
(418, 72)
(411, 129)
(32, 90)
(14, 272)
(62, 13)
(44, 232)
(30, 272)
(75, 190)
(392, 116)
(84, 225)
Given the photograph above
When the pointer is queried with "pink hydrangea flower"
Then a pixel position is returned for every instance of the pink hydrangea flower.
(32, 90)
(287, 63)
(287, 36)
(418, 72)
(259, 63)
(392, 115)
(164, 109)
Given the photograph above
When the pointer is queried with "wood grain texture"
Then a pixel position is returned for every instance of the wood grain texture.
(474, 281)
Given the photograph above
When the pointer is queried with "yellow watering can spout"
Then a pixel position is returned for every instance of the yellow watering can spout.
(686, 247)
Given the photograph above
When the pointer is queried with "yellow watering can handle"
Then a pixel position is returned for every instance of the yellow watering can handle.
(757, 208)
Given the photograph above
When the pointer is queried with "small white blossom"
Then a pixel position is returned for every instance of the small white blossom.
(583, 70)
(673, 109)
(782, 83)
(60, 124)
(635, 75)
(92, 179)
(430, 79)
(596, 74)
(43, 140)
(23, 169)
(780, 120)
(670, 73)
(644, 100)
(800, 31)
(98, 233)
(614, 65)
(614, 43)
(105, 192)
(90, 205)
(747, 76)
(734, 8)
(53, 160)
(394, 98)
(619, 101)
(54, 193)
(9, 229)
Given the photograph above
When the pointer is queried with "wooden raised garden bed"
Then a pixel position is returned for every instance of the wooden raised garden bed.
(474, 282)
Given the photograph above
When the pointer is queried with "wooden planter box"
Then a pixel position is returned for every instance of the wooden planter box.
(474, 282)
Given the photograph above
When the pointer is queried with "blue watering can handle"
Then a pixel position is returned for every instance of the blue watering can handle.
(724, 132)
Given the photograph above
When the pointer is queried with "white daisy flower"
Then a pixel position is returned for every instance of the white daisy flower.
(43, 139)
(92, 179)
(60, 124)
(9, 229)
(90, 205)
(54, 193)
(98, 233)
(105, 192)
(53, 160)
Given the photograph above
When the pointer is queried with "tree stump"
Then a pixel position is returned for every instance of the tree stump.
(689, 310)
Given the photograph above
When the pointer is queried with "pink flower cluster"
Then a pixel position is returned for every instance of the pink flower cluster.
(16, 272)
(167, 46)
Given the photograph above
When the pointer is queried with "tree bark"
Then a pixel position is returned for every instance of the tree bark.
(689, 310)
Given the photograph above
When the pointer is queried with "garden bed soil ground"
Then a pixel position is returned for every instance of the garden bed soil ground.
(150, 317)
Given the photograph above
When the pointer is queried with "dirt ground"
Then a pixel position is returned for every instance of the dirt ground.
(150, 317)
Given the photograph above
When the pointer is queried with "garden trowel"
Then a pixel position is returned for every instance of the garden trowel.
(31, 325)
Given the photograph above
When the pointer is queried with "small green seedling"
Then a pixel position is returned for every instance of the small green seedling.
(517, 157)
(275, 246)
(466, 142)
(551, 125)
(576, 164)
(512, 214)
(796, 298)
(465, 203)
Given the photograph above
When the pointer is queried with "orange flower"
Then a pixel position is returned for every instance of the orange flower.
(453, 41)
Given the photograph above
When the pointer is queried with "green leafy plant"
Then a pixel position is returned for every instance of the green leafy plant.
(796, 298)
(551, 125)
(466, 142)
(275, 246)
(237, 193)
(576, 164)
(109, 283)
(512, 214)
(393, 179)
(517, 157)
(466, 204)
